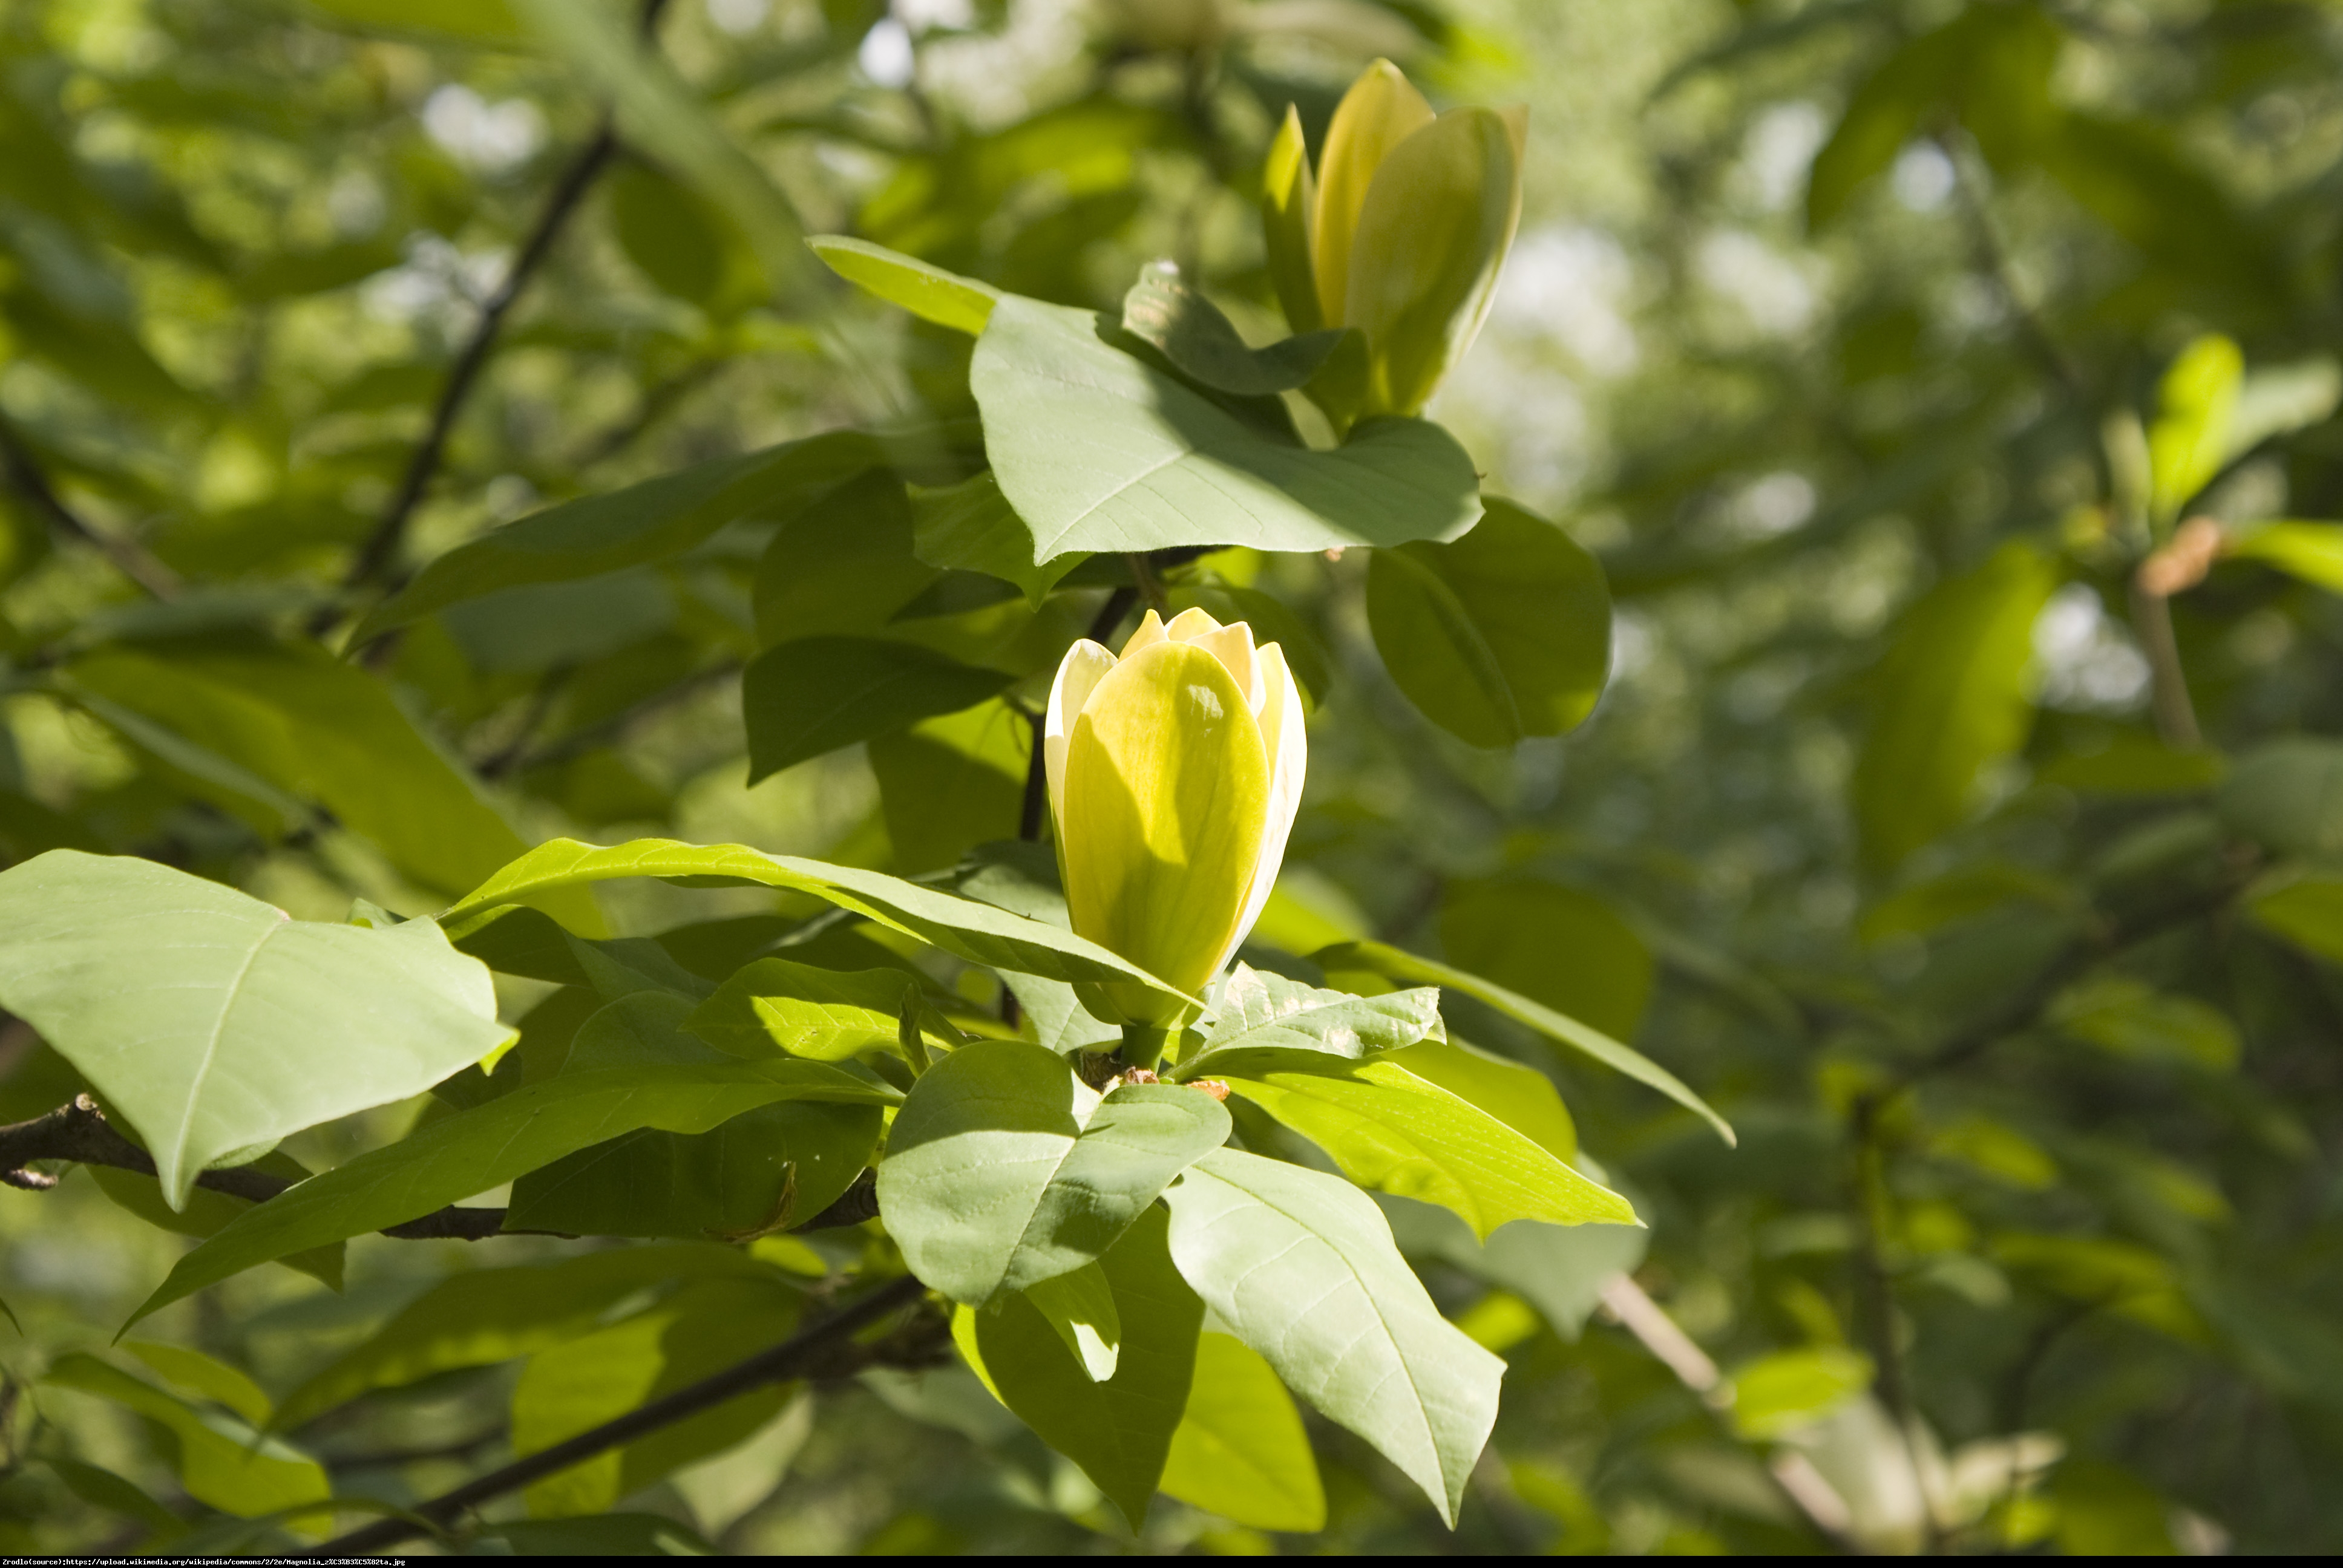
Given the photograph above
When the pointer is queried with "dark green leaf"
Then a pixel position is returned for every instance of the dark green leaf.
(972, 527)
(803, 699)
(1556, 945)
(1201, 343)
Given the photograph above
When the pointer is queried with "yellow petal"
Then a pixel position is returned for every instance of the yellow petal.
(1288, 746)
(1166, 800)
(1078, 673)
(1432, 233)
(1150, 632)
(1379, 112)
(1289, 197)
(1190, 624)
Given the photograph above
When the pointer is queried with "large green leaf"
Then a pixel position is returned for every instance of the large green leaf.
(1004, 1169)
(815, 695)
(1097, 450)
(799, 1009)
(1120, 1430)
(972, 527)
(1502, 634)
(2287, 796)
(949, 784)
(842, 566)
(1393, 963)
(1560, 1270)
(656, 520)
(220, 1459)
(207, 1211)
(579, 1383)
(1390, 1129)
(1240, 1451)
(317, 730)
(1260, 1011)
(1560, 946)
(198, 1013)
(1951, 698)
(963, 927)
(489, 1315)
(473, 1150)
(1300, 1267)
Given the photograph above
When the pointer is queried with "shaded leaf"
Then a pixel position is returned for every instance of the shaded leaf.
(1239, 1449)
(803, 699)
(220, 1460)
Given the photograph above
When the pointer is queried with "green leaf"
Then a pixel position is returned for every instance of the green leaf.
(1023, 879)
(2189, 440)
(1120, 1429)
(1004, 1169)
(489, 1315)
(1397, 965)
(2312, 552)
(815, 695)
(473, 1150)
(1951, 698)
(1394, 1132)
(680, 241)
(319, 730)
(1781, 1394)
(961, 927)
(1201, 344)
(104, 1489)
(841, 565)
(971, 527)
(1560, 1270)
(221, 1462)
(1080, 1308)
(949, 784)
(2307, 913)
(798, 1010)
(1556, 945)
(1097, 450)
(474, 21)
(199, 1376)
(927, 291)
(578, 1385)
(1504, 634)
(208, 1211)
(1301, 1268)
(1260, 1011)
(2131, 1018)
(656, 520)
(1522, 1097)
(196, 1012)
(2132, 763)
(1239, 1449)
(2286, 795)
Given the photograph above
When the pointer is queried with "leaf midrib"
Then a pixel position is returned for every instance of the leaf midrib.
(211, 1045)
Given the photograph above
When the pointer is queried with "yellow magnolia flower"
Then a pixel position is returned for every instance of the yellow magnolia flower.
(1399, 233)
(1174, 774)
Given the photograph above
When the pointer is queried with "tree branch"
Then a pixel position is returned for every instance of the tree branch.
(816, 1353)
(129, 559)
(376, 555)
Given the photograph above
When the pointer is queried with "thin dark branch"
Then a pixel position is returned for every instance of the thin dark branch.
(1037, 783)
(1109, 615)
(377, 554)
(129, 559)
(817, 1352)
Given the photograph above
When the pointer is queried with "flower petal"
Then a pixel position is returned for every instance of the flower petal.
(1085, 665)
(1379, 111)
(1288, 744)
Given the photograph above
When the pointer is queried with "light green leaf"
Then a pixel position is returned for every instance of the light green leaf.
(1240, 1451)
(656, 520)
(197, 1011)
(2310, 551)
(2307, 913)
(1522, 1097)
(1560, 1270)
(1119, 1431)
(2131, 1018)
(1560, 946)
(1260, 1011)
(1952, 697)
(1301, 1268)
(824, 1015)
(2287, 796)
(926, 290)
(963, 927)
(1079, 1307)
(1096, 450)
(816, 694)
(1778, 1394)
(489, 1315)
(315, 728)
(1004, 1169)
(971, 527)
(196, 1374)
(2190, 437)
(221, 1462)
(473, 1150)
(1396, 1132)
(1395, 964)
(949, 784)
(1502, 634)
(568, 1388)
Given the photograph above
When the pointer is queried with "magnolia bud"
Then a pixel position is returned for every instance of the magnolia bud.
(1400, 234)
(1174, 774)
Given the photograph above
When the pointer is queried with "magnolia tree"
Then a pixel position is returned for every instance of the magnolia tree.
(1074, 1129)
